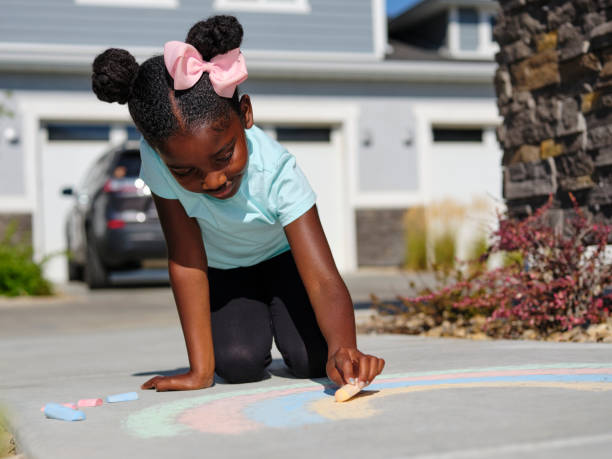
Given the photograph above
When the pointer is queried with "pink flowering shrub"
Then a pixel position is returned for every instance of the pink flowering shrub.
(556, 281)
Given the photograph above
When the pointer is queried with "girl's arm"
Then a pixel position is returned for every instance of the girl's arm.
(330, 300)
(187, 267)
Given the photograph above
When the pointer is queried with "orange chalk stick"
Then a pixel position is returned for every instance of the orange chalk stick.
(347, 391)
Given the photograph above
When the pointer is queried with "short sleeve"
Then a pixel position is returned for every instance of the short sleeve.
(154, 172)
(290, 194)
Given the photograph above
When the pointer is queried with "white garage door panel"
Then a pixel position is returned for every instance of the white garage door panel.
(321, 163)
(62, 164)
(463, 172)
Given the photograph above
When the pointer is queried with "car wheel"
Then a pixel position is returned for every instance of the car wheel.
(75, 271)
(95, 273)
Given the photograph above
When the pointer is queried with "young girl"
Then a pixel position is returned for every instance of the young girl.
(248, 259)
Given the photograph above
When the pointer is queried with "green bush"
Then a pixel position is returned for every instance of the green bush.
(19, 273)
(444, 251)
(7, 442)
(416, 240)
(478, 248)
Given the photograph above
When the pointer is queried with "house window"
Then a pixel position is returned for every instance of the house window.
(457, 135)
(468, 29)
(302, 134)
(133, 133)
(273, 6)
(295, 133)
(167, 4)
(77, 132)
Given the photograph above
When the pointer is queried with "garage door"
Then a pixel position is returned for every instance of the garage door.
(67, 151)
(318, 150)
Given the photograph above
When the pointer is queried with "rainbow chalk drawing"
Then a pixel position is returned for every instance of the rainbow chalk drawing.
(299, 404)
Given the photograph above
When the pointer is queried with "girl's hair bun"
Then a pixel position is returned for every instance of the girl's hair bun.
(114, 72)
(217, 35)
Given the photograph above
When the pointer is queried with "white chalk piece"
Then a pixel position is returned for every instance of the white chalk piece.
(63, 413)
(127, 397)
(347, 391)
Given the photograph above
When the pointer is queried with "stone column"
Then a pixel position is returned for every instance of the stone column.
(554, 89)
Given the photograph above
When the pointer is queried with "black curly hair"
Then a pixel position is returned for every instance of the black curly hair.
(156, 108)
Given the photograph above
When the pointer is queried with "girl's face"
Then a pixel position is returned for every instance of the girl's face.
(211, 159)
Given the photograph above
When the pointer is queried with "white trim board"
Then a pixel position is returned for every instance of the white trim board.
(15, 204)
(379, 28)
(264, 6)
(262, 64)
(388, 199)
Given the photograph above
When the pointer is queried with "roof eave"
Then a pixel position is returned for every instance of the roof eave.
(427, 8)
(390, 71)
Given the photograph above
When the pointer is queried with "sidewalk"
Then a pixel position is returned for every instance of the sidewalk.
(437, 398)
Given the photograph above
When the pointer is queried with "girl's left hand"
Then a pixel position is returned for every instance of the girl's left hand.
(351, 366)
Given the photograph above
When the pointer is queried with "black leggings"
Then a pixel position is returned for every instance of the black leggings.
(251, 305)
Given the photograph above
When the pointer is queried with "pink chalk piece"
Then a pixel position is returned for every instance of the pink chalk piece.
(72, 406)
(89, 402)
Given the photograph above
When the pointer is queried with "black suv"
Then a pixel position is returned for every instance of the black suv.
(113, 225)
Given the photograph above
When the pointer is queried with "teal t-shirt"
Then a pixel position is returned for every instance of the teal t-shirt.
(248, 227)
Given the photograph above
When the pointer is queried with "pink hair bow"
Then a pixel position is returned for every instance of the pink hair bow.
(185, 65)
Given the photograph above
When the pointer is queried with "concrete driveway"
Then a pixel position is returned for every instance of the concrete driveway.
(436, 398)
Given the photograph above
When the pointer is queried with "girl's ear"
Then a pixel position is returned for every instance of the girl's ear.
(246, 111)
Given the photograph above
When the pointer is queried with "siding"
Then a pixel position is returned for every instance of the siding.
(331, 26)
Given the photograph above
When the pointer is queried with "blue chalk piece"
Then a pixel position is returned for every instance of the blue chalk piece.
(63, 413)
(127, 397)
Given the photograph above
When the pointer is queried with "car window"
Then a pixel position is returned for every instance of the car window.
(128, 164)
(90, 177)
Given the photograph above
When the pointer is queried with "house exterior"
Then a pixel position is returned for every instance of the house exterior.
(381, 116)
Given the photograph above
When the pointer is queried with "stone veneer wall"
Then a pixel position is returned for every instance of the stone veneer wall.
(24, 226)
(554, 88)
(380, 237)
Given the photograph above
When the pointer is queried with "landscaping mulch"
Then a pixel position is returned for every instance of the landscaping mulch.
(422, 324)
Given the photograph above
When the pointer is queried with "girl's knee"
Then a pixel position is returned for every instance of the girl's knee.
(239, 365)
(304, 364)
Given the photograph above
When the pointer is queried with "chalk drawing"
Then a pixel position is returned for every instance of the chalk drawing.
(298, 404)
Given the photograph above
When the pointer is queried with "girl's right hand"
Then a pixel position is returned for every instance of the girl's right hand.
(186, 381)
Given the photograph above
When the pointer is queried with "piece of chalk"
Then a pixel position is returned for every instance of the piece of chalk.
(63, 413)
(347, 391)
(127, 397)
(72, 406)
(87, 402)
